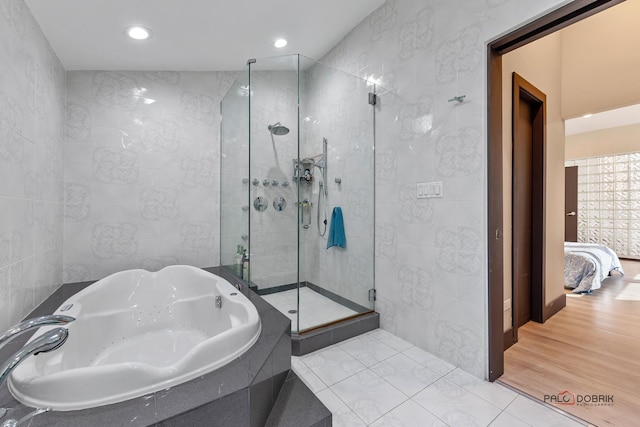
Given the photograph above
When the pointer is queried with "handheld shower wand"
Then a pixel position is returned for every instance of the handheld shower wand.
(322, 191)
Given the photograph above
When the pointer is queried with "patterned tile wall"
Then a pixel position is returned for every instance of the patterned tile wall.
(141, 157)
(31, 139)
(431, 255)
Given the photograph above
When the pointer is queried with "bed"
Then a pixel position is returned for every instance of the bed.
(586, 265)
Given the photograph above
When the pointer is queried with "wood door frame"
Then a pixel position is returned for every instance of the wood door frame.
(554, 21)
(522, 90)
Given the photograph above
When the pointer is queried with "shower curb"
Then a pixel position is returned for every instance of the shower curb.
(308, 342)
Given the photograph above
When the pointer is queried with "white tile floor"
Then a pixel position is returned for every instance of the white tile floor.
(315, 309)
(380, 380)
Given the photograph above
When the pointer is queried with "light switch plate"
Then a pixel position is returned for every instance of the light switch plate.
(437, 189)
(429, 190)
(421, 190)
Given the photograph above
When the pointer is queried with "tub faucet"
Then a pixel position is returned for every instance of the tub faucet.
(14, 423)
(219, 301)
(48, 341)
(36, 322)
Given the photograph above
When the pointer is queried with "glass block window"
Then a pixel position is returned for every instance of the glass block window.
(609, 202)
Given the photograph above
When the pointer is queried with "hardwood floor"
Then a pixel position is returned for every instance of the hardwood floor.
(590, 347)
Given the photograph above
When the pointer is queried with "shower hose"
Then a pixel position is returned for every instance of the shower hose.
(322, 202)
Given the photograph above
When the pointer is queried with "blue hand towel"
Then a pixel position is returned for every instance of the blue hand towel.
(336, 231)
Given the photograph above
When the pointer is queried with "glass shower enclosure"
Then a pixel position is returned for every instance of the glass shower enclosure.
(297, 188)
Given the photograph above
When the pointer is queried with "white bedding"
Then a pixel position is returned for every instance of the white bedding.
(586, 265)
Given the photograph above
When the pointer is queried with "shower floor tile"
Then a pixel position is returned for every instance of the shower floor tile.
(315, 309)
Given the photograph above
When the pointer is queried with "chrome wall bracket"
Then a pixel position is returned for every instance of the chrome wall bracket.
(459, 98)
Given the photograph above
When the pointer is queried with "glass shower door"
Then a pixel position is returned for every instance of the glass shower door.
(337, 244)
(234, 173)
(273, 194)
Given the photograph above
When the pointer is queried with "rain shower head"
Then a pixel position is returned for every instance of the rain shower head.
(278, 129)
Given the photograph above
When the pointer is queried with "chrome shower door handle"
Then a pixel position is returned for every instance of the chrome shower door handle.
(571, 214)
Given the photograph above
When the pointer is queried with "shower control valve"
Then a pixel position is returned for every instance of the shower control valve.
(260, 203)
(245, 180)
(255, 181)
(275, 183)
(265, 182)
(285, 184)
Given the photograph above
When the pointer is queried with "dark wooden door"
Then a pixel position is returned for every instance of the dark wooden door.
(571, 204)
(522, 208)
(529, 130)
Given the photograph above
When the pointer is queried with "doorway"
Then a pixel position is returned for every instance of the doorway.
(556, 20)
(571, 204)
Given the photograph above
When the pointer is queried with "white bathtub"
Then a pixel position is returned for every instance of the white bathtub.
(138, 332)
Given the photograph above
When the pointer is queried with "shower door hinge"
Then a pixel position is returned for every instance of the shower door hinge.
(372, 294)
(373, 98)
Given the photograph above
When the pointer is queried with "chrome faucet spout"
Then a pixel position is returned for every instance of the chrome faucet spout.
(48, 341)
(14, 423)
(36, 322)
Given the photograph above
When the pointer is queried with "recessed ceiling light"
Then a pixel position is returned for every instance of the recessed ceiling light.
(280, 43)
(138, 33)
(586, 116)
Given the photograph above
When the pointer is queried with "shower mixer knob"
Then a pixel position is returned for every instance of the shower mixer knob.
(275, 183)
(265, 182)
(255, 181)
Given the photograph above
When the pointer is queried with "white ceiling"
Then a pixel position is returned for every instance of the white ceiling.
(196, 35)
(607, 119)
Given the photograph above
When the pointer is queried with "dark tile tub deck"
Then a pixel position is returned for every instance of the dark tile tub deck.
(241, 393)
